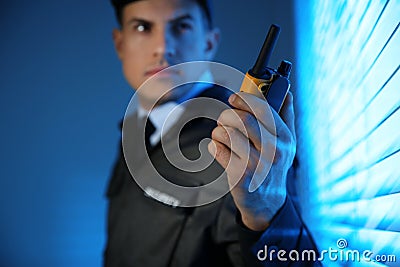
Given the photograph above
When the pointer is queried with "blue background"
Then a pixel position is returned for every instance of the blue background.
(62, 96)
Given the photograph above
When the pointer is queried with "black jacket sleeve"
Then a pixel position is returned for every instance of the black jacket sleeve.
(286, 242)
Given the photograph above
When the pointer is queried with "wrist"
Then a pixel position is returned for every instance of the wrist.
(260, 220)
(254, 224)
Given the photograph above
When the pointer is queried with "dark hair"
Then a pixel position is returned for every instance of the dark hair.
(120, 4)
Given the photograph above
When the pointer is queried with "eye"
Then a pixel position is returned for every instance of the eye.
(182, 27)
(142, 27)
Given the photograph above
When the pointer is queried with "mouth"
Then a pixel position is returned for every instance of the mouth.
(161, 71)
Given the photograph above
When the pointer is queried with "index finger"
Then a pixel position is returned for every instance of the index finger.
(256, 106)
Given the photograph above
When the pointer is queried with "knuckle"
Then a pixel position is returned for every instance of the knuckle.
(254, 160)
(229, 133)
(284, 152)
(214, 133)
(225, 114)
(226, 136)
(293, 140)
(248, 121)
(246, 118)
(222, 154)
(278, 155)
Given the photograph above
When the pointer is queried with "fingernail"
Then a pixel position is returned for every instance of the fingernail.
(211, 148)
(232, 98)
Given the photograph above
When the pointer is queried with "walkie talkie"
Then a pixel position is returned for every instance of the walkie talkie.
(272, 84)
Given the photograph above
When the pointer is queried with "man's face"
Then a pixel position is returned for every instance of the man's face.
(156, 34)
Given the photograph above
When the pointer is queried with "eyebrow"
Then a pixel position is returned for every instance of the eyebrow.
(133, 20)
(174, 20)
(183, 17)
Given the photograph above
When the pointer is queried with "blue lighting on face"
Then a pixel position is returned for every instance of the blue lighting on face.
(348, 104)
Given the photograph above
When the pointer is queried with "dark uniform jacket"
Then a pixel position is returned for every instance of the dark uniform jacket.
(143, 231)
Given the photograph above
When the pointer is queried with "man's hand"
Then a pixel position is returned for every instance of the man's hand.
(251, 144)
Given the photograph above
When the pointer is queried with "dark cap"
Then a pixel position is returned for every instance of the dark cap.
(120, 4)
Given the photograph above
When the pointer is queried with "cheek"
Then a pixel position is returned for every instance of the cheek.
(197, 52)
(192, 48)
(133, 64)
(131, 72)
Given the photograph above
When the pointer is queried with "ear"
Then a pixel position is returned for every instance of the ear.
(118, 42)
(212, 42)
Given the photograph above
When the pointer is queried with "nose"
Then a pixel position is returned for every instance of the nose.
(164, 45)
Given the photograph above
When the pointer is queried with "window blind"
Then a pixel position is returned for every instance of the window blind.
(348, 124)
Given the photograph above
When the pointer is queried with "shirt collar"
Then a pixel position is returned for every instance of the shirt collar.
(166, 115)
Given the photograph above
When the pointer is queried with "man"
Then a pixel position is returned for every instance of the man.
(149, 227)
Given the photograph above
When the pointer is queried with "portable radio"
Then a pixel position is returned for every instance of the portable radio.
(271, 84)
